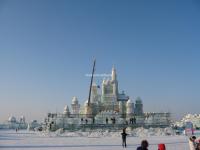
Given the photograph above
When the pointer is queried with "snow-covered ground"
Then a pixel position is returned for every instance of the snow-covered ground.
(98, 140)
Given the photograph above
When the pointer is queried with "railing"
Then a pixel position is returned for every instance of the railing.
(144, 115)
(110, 127)
(105, 120)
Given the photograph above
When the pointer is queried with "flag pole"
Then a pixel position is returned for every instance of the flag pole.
(91, 82)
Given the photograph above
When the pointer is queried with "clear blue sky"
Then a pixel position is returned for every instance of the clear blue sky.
(47, 47)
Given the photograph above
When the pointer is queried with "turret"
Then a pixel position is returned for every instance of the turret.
(66, 111)
(129, 107)
(12, 119)
(75, 105)
(22, 119)
(114, 74)
(103, 86)
(114, 81)
(88, 109)
(138, 106)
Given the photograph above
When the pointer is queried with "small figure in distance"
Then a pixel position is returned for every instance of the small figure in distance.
(106, 120)
(134, 120)
(124, 134)
(114, 120)
(93, 120)
(144, 145)
(130, 121)
(192, 143)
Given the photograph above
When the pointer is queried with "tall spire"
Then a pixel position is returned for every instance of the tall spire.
(114, 74)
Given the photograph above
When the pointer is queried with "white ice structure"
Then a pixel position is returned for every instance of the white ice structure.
(66, 111)
(107, 106)
(75, 106)
(129, 107)
(12, 119)
(13, 123)
(22, 119)
(33, 124)
(193, 118)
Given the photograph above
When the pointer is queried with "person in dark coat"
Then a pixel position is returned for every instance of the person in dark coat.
(106, 120)
(134, 120)
(144, 145)
(93, 120)
(124, 134)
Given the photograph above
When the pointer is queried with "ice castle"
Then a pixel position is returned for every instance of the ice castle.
(105, 106)
(109, 100)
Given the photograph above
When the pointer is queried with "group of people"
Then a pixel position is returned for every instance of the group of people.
(93, 120)
(193, 143)
(132, 120)
(144, 144)
(86, 121)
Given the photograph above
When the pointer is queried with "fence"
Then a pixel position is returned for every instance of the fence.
(107, 120)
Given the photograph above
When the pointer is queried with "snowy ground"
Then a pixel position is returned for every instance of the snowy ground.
(10, 140)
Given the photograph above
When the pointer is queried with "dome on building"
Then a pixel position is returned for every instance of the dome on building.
(138, 100)
(86, 103)
(66, 109)
(22, 119)
(74, 100)
(129, 102)
(12, 119)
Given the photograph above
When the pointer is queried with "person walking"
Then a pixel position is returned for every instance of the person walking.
(124, 134)
(144, 145)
